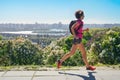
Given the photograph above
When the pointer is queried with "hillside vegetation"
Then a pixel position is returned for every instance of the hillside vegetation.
(102, 46)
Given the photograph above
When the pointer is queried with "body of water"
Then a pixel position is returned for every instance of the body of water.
(55, 32)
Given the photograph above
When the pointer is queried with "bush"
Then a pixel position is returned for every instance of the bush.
(20, 52)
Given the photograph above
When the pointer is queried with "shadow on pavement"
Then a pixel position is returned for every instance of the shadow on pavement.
(89, 77)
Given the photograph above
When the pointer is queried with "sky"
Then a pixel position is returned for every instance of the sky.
(55, 11)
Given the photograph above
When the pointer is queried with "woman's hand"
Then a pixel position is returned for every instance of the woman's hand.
(87, 29)
(76, 37)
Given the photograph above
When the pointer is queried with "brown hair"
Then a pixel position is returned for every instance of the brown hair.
(79, 13)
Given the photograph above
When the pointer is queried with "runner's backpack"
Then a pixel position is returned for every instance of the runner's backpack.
(71, 24)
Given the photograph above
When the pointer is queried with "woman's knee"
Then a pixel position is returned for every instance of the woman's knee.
(84, 54)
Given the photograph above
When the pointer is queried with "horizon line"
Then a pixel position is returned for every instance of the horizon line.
(50, 23)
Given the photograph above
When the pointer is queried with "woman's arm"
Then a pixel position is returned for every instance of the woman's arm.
(73, 29)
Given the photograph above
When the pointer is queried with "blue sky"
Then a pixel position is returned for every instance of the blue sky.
(54, 11)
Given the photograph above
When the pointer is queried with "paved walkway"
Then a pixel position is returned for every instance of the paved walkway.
(81, 74)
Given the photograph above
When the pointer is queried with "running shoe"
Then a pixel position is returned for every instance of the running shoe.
(58, 64)
(90, 68)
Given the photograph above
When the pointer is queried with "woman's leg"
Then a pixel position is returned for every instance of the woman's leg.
(73, 49)
(84, 55)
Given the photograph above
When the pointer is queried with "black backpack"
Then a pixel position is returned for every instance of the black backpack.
(71, 24)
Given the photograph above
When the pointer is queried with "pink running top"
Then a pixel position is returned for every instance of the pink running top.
(79, 31)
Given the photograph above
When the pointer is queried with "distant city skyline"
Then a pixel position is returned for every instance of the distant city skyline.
(55, 11)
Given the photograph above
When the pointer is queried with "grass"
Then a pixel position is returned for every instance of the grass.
(21, 68)
(50, 67)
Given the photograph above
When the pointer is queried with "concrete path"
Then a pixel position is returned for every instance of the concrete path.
(108, 74)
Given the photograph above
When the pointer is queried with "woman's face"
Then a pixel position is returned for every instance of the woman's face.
(82, 17)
